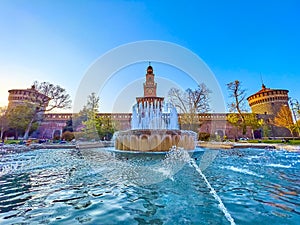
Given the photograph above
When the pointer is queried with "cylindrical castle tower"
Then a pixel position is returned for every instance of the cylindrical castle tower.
(30, 95)
(268, 101)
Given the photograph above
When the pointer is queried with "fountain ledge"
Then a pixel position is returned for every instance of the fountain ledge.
(154, 140)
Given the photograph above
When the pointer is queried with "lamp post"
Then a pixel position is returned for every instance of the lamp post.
(294, 102)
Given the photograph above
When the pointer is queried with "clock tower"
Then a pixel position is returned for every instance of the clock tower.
(150, 85)
(150, 91)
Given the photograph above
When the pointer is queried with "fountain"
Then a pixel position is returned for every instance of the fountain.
(154, 124)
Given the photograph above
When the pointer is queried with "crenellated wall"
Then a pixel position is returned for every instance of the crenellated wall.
(213, 123)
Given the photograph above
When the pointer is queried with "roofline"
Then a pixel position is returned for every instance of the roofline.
(267, 90)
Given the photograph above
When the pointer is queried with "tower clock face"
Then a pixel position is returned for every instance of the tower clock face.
(150, 90)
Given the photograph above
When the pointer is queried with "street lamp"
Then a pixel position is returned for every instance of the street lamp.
(294, 102)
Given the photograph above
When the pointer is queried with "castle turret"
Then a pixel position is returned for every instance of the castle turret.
(268, 101)
(29, 95)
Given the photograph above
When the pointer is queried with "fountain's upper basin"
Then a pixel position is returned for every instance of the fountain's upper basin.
(154, 140)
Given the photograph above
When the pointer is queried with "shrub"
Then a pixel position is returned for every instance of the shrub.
(68, 136)
(203, 136)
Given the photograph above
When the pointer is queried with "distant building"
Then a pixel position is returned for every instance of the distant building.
(267, 103)
(29, 95)
(212, 123)
(150, 89)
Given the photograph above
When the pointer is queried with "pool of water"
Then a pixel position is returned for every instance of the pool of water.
(103, 186)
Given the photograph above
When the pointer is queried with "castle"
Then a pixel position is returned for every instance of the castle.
(30, 95)
(266, 103)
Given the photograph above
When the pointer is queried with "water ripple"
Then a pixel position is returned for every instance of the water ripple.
(95, 186)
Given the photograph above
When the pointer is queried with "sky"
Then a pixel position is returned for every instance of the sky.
(58, 41)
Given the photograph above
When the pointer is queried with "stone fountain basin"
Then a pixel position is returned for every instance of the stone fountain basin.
(156, 140)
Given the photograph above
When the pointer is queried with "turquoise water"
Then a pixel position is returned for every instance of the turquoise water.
(102, 186)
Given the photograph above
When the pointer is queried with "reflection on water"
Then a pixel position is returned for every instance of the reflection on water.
(101, 186)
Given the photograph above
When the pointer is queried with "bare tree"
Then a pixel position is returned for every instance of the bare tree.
(189, 103)
(178, 99)
(199, 98)
(238, 104)
(93, 102)
(44, 98)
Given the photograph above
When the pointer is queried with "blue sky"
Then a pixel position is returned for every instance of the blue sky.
(57, 41)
